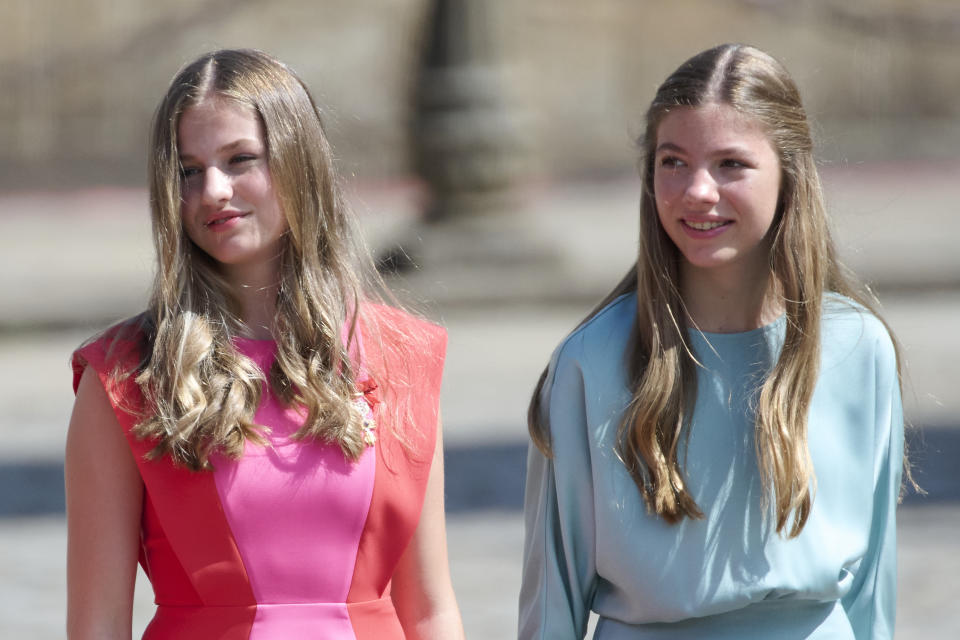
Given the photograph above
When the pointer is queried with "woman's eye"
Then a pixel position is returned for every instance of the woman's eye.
(242, 158)
(733, 163)
(671, 162)
(189, 172)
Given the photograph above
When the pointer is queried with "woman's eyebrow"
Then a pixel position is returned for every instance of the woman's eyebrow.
(230, 146)
(669, 146)
(732, 150)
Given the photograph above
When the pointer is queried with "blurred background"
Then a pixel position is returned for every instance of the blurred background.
(487, 147)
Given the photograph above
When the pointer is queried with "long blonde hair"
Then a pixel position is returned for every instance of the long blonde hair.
(201, 393)
(803, 265)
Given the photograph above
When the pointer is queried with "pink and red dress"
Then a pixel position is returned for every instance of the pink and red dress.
(292, 540)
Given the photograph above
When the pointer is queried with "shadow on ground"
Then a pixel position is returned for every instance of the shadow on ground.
(488, 476)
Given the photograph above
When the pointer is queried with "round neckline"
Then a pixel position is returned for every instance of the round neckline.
(761, 330)
(262, 347)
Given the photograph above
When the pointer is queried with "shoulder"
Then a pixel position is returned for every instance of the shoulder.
(856, 345)
(590, 361)
(119, 348)
(403, 351)
(404, 356)
(399, 327)
(600, 340)
(850, 328)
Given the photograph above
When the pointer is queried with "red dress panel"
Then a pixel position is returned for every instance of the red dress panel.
(292, 539)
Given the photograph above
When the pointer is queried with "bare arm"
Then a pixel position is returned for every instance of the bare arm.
(422, 591)
(104, 502)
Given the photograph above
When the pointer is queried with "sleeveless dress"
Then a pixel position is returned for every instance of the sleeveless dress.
(292, 540)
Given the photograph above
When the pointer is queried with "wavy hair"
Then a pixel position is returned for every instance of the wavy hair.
(803, 267)
(201, 392)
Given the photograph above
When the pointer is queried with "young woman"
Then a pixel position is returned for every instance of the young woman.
(264, 438)
(719, 445)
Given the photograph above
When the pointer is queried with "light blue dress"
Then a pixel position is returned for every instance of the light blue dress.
(590, 544)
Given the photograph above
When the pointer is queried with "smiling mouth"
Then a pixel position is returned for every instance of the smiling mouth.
(705, 226)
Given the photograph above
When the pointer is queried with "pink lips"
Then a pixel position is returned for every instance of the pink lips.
(223, 220)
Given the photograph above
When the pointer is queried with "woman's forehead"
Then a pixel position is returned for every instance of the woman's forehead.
(217, 122)
(712, 124)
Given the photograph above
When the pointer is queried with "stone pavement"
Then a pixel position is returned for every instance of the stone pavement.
(72, 261)
(485, 550)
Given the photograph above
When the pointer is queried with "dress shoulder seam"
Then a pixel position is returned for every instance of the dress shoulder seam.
(578, 332)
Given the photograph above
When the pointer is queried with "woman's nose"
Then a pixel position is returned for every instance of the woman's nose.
(217, 187)
(702, 188)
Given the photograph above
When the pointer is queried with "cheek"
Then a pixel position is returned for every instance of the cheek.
(187, 210)
(659, 190)
(271, 201)
(260, 188)
(769, 201)
(772, 187)
(662, 220)
(666, 188)
(190, 215)
(188, 222)
(665, 217)
(189, 198)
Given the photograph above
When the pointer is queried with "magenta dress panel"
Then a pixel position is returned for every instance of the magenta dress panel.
(292, 539)
(296, 511)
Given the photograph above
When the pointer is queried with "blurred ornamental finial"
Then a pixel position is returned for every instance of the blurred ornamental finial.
(462, 141)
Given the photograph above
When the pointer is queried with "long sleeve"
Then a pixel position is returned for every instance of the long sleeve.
(559, 565)
(591, 544)
(871, 602)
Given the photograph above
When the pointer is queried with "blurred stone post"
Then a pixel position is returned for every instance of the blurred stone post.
(463, 145)
(474, 243)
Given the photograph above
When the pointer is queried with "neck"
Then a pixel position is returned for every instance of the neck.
(256, 292)
(729, 305)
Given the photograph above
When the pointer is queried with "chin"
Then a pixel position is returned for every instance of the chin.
(709, 261)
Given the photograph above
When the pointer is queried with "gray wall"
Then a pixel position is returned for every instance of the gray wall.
(80, 79)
